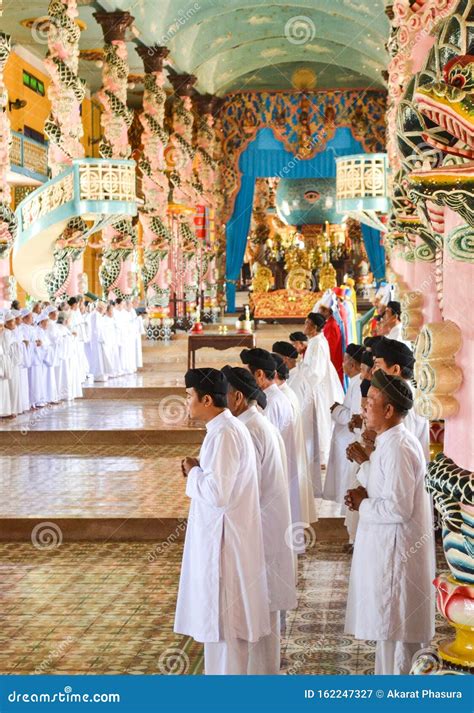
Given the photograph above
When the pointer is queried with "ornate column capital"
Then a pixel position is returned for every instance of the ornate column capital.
(208, 103)
(114, 24)
(183, 84)
(153, 57)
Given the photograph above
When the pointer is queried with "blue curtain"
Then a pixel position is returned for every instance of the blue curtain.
(266, 156)
(237, 231)
(375, 251)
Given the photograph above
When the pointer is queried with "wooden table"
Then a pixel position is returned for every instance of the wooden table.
(214, 340)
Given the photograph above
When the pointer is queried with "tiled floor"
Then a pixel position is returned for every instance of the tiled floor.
(109, 608)
(113, 481)
(84, 415)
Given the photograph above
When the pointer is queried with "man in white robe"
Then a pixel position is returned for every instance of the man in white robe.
(279, 412)
(49, 359)
(307, 504)
(391, 325)
(15, 351)
(397, 359)
(111, 337)
(25, 360)
(299, 384)
(391, 596)
(337, 483)
(223, 594)
(242, 396)
(326, 385)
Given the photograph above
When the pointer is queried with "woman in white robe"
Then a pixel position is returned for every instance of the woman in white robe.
(96, 344)
(15, 352)
(49, 355)
(5, 401)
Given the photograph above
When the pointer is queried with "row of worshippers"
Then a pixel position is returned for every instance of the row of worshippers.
(376, 467)
(48, 352)
(245, 525)
(251, 498)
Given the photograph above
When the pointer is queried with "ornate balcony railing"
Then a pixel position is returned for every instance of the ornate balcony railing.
(29, 157)
(97, 190)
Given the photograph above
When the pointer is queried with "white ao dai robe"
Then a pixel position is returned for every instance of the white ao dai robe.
(275, 508)
(298, 382)
(307, 506)
(326, 385)
(223, 559)
(5, 401)
(337, 474)
(279, 412)
(391, 596)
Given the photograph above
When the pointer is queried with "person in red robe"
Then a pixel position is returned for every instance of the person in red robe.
(332, 332)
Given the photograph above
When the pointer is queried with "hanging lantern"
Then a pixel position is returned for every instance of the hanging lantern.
(362, 188)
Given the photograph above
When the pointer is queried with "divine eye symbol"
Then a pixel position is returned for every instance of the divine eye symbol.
(312, 196)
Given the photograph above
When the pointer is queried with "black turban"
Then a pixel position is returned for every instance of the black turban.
(207, 380)
(394, 352)
(317, 319)
(395, 307)
(242, 380)
(298, 337)
(258, 358)
(282, 369)
(368, 359)
(395, 389)
(285, 349)
(370, 342)
(365, 385)
(355, 352)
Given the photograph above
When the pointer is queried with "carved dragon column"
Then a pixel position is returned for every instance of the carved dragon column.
(8, 222)
(205, 169)
(116, 273)
(183, 196)
(220, 201)
(433, 66)
(153, 215)
(63, 128)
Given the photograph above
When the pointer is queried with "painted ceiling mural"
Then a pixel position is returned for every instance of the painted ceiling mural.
(234, 44)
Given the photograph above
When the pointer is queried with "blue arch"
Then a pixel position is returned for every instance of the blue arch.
(265, 157)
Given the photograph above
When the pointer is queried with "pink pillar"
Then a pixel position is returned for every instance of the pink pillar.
(458, 294)
(425, 283)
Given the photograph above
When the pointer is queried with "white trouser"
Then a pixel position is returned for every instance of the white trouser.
(394, 657)
(229, 657)
(264, 655)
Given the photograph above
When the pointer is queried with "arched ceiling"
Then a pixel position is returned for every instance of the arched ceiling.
(234, 45)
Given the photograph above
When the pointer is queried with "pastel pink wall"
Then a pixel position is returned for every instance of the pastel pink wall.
(458, 278)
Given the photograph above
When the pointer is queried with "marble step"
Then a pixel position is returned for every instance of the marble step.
(50, 532)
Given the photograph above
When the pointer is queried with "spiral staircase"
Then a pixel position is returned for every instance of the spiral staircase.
(97, 190)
